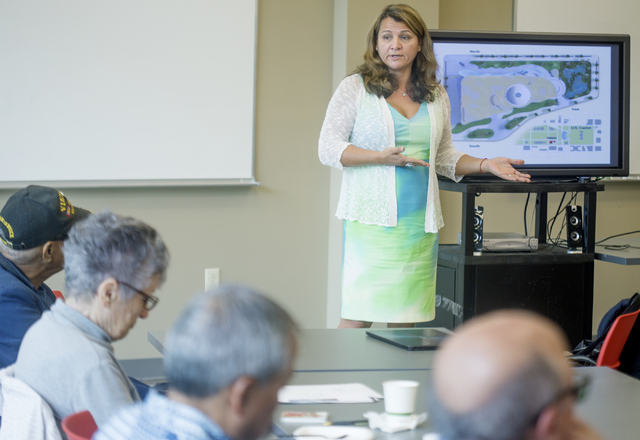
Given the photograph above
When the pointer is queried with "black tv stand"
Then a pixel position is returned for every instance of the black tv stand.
(550, 281)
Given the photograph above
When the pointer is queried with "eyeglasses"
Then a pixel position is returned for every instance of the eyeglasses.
(149, 301)
(578, 390)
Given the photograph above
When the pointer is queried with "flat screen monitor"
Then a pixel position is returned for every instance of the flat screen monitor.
(558, 101)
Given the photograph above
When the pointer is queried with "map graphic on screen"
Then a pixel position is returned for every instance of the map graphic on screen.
(497, 96)
(548, 104)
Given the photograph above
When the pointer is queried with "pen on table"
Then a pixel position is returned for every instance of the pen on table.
(347, 422)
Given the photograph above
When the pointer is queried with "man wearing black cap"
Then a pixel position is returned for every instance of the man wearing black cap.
(33, 224)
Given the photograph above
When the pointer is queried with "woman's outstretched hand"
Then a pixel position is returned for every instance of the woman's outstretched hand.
(503, 168)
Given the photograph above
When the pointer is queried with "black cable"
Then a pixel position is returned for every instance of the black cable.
(617, 247)
(551, 222)
(562, 226)
(618, 235)
(525, 214)
(556, 241)
(549, 226)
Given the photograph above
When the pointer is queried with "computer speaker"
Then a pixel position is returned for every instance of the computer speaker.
(478, 222)
(575, 232)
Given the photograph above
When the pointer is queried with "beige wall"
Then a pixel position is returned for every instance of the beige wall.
(618, 212)
(474, 15)
(273, 236)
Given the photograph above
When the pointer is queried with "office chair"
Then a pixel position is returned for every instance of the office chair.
(620, 339)
(79, 426)
(616, 339)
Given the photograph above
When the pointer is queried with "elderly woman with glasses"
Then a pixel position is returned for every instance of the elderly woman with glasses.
(113, 266)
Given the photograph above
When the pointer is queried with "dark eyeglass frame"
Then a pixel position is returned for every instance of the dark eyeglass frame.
(149, 301)
(578, 390)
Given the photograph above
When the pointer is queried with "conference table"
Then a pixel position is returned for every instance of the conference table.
(610, 407)
(332, 356)
(343, 350)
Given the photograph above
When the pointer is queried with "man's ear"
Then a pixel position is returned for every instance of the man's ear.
(548, 424)
(108, 291)
(240, 393)
(47, 251)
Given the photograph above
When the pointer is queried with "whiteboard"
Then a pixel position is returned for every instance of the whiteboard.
(594, 17)
(127, 92)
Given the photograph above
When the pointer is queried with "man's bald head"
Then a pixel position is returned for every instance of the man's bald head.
(498, 368)
(491, 349)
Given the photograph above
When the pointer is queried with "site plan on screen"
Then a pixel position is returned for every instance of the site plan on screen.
(544, 104)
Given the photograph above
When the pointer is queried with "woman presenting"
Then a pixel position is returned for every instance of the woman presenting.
(384, 126)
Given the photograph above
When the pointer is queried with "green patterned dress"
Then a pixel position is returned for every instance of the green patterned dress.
(389, 273)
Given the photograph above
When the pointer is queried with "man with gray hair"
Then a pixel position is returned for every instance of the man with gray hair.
(113, 266)
(504, 376)
(226, 358)
(33, 224)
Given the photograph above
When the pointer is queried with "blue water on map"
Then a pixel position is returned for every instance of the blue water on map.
(578, 86)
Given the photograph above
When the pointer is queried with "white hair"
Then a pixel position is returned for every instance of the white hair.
(225, 334)
(108, 245)
(21, 257)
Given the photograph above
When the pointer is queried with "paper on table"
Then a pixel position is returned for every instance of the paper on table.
(335, 393)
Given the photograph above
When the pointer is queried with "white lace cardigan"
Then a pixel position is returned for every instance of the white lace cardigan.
(368, 193)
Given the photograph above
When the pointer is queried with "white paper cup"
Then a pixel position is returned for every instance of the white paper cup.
(400, 397)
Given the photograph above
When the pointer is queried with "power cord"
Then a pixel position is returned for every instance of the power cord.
(619, 247)
(557, 242)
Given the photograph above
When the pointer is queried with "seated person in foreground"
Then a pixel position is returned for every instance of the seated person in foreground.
(504, 376)
(113, 266)
(33, 224)
(226, 357)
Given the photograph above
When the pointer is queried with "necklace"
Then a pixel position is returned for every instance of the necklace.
(403, 93)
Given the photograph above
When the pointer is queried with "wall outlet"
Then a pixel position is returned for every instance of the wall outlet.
(211, 278)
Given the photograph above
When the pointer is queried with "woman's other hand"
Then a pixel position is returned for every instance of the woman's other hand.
(393, 156)
(354, 156)
(503, 168)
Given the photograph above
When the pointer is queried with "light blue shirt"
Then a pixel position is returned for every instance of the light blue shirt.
(159, 418)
